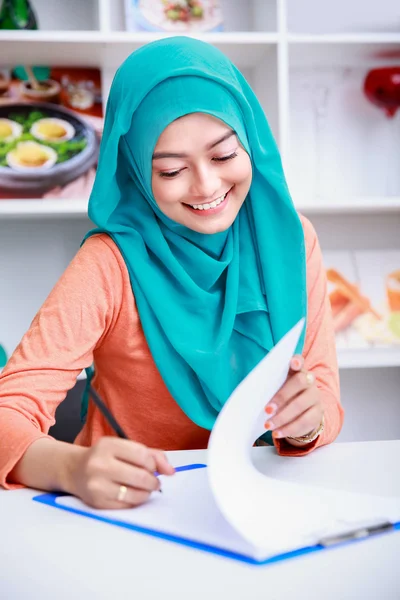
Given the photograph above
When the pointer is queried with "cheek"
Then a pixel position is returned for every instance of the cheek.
(164, 191)
(241, 172)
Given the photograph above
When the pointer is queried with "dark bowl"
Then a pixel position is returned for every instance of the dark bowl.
(61, 173)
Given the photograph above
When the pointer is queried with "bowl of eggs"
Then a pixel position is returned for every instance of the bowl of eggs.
(43, 146)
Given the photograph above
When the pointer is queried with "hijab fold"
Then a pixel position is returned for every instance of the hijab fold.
(211, 306)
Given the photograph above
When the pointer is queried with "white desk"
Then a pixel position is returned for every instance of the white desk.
(50, 554)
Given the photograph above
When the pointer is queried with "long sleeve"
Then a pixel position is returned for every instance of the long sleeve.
(60, 342)
(319, 348)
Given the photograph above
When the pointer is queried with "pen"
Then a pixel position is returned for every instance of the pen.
(356, 534)
(108, 415)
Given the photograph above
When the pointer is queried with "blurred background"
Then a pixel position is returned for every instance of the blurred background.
(328, 78)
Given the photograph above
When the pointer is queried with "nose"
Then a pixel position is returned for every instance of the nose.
(205, 182)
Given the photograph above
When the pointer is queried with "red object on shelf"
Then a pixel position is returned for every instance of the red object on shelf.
(382, 88)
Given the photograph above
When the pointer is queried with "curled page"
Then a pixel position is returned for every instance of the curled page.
(267, 512)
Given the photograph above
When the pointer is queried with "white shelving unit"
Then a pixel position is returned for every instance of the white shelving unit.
(306, 63)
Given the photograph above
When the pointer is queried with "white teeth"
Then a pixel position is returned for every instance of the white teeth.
(207, 206)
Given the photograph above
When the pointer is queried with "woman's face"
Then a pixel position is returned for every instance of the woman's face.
(201, 174)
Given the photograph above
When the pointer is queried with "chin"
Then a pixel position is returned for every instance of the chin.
(210, 228)
(216, 228)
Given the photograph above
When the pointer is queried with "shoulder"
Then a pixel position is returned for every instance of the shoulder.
(96, 271)
(100, 256)
(101, 247)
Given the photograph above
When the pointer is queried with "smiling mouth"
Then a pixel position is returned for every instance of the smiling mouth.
(210, 207)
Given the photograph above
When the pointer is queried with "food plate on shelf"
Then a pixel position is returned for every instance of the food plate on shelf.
(174, 16)
(43, 145)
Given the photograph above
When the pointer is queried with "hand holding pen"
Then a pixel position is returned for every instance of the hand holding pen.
(115, 472)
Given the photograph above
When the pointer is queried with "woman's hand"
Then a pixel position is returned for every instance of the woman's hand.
(296, 409)
(96, 474)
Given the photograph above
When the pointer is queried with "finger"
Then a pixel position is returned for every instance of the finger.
(302, 425)
(297, 362)
(292, 387)
(132, 497)
(104, 494)
(291, 411)
(162, 464)
(134, 454)
(131, 476)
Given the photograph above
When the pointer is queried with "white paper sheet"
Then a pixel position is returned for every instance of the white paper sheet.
(267, 512)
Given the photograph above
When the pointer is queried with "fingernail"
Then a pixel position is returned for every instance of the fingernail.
(278, 434)
(295, 363)
(269, 425)
(271, 408)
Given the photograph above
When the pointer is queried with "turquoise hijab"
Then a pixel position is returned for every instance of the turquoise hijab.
(211, 306)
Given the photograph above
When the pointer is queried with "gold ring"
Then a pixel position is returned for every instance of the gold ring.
(122, 493)
(310, 378)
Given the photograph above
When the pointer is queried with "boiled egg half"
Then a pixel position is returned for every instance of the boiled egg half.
(31, 156)
(52, 130)
(9, 130)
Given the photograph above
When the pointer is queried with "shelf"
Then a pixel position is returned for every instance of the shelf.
(35, 209)
(39, 209)
(368, 358)
(369, 205)
(356, 359)
(344, 49)
(344, 38)
(349, 359)
(109, 50)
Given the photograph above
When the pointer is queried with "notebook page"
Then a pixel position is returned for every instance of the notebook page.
(186, 509)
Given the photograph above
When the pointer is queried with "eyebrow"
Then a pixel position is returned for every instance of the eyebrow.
(157, 155)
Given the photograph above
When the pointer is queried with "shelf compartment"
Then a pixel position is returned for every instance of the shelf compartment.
(71, 15)
(252, 15)
(352, 146)
(342, 16)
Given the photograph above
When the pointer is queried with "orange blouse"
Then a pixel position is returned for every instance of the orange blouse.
(91, 315)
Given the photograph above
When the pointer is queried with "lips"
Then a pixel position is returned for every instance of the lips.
(210, 211)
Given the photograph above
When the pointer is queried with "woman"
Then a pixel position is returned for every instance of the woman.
(198, 266)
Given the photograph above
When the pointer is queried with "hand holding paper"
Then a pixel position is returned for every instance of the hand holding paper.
(297, 408)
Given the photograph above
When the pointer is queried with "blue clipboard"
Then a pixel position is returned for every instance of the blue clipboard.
(50, 500)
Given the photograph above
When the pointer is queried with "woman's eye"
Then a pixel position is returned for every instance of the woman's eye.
(224, 158)
(172, 174)
(169, 174)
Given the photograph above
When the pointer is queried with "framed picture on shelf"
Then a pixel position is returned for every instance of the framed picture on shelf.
(173, 16)
(364, 292)
(51, 122)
